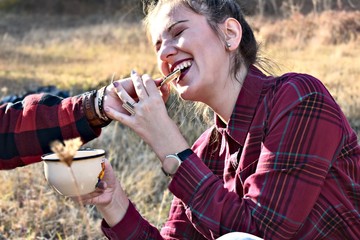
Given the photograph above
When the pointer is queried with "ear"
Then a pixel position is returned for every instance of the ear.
(233, 33)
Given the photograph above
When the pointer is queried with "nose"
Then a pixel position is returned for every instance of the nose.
(167, 50)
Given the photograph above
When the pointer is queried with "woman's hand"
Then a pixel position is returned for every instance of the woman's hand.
(109, 197)
(113, 101)
(150, 119)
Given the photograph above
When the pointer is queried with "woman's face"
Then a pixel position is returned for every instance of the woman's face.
(184, 39)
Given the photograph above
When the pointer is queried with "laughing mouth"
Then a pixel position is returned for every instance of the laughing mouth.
(184, 65)
(177, 72)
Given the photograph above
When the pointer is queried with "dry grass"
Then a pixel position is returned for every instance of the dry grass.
(79, 54)
(84, 55)
(318, 45)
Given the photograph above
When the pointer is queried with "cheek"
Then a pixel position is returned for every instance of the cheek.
(163, 67)
(181, 43)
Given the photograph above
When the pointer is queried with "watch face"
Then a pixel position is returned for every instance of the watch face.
(171, 164)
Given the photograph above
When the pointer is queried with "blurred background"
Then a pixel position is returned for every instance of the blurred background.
(70, 46)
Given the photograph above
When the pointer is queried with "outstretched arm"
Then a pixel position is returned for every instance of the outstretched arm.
(27, 127)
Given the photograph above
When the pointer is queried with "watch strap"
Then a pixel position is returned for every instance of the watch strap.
(184, 154)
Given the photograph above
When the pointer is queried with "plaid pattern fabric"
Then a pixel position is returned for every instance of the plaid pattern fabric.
(27, 127)
(285, 167)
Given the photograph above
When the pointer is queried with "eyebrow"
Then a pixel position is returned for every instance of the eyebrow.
(171, 26)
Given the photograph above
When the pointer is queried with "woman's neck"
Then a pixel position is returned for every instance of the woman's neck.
(225, 99)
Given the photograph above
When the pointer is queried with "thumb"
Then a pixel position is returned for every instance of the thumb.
(102, 185)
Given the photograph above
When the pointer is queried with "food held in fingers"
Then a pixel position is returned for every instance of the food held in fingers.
(172, 76)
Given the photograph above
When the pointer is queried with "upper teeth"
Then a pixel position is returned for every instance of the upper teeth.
(184, 65)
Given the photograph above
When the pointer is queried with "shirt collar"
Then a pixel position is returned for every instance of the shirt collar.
(246, 104)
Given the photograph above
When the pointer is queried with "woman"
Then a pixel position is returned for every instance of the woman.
(280, 162)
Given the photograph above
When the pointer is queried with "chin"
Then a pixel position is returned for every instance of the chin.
(188, 97)
(187, 93)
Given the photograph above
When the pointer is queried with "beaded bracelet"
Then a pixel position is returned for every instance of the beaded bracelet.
(100, 100)
(90, 112)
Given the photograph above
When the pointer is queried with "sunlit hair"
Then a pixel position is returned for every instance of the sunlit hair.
(216, 12)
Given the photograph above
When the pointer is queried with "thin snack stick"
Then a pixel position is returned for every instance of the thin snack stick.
(172, 76)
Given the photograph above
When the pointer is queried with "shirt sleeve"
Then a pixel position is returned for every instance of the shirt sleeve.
(132, 226)
(27, 127)
(210, 208)
(304, 137)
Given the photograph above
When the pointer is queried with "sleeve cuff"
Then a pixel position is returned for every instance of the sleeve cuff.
(189, 178)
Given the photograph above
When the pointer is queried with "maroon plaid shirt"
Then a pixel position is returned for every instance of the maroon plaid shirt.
(285, 167)
(29, 126)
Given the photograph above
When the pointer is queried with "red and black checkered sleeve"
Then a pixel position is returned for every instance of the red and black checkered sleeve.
(27, 127)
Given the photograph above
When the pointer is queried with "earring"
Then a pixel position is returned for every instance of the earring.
(228, 45)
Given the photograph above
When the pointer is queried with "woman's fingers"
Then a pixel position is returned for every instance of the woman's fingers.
(127, 101)
(88, 198)
(122, 93)
(149, 100)
(103, 191)
(118, 116)
(139, 85)
(149, 84)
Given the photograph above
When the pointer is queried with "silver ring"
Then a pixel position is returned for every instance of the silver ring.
(129, 107)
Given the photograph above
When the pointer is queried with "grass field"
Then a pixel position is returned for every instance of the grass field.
(78, 54)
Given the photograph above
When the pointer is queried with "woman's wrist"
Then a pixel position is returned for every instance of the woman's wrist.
(115, 211)
(162, 153)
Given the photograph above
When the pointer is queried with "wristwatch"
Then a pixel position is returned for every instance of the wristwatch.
(172, 162)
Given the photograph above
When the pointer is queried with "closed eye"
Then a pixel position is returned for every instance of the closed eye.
(177, 34)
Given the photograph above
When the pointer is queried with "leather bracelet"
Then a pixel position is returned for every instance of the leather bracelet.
(100, 102)
(88, 100)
